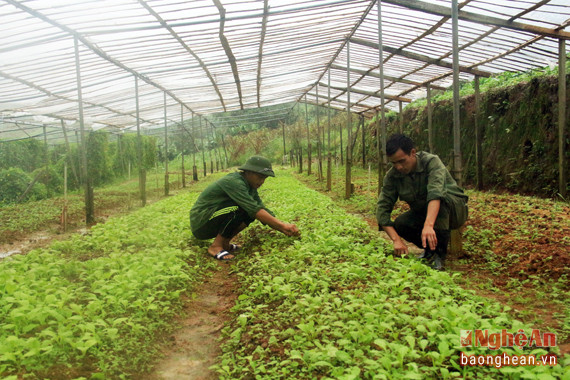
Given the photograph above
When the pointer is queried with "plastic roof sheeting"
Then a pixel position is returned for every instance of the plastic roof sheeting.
(211, 56)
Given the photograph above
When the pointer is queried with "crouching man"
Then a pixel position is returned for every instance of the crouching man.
(437, 204)
(230, 204)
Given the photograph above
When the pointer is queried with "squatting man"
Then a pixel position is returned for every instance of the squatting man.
(437, 204)
(230, 204)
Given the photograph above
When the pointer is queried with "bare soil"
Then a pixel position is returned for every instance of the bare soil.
(194, 346)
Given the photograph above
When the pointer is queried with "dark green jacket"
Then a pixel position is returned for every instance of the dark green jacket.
(431, 180)
(233, 189)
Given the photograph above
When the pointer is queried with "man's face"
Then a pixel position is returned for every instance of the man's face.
(255, 180)
(402, 162)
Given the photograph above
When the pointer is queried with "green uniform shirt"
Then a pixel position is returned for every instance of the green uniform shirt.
(231, 190)
(431, 180)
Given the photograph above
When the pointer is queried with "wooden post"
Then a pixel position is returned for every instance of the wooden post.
(89, 199)
(183, 172)
(382, 159)
(142, 171)
(348, 179)
(202, 141)
(379, 151)
(182, 125)
(319, 143)
(401, 116)
(68, 149)
(209, 149)
(341, 147)
(329, 158)
(46, 155)
(562, 162)
(120, 153)
(455, 246)
(478, 137)
(308, 138)
(284, 148)
(429, 119)
(363, 143)
(166, 181)
(79, 169)
(456, 122)
(194, 167)
(225, 151)
(64, 212)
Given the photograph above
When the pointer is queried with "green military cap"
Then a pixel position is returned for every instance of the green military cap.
(259, 165)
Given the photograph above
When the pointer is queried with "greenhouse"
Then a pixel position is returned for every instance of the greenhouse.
(118, 118)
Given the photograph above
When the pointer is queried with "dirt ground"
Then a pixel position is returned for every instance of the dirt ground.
(194, 346)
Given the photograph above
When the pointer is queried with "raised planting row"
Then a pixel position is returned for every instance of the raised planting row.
(336, 304)
(95, 305)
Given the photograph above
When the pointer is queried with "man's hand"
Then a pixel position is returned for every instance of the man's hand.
(400, 248)
(286, 228)
(429, 238)
(428, 234)
(290, 229)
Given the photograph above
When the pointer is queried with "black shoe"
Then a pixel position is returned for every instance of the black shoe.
(437, 263)
(426, 255)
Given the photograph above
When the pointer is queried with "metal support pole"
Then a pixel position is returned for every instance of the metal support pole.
(89, 202)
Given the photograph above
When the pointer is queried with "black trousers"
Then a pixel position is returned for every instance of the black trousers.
(410, 224)
(225, 222)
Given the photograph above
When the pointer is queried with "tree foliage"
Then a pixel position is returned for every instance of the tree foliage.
(13, 184)
(22, 161)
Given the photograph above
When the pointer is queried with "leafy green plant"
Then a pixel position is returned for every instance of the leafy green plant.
(13, 184)
(99, 301)
(336, 304)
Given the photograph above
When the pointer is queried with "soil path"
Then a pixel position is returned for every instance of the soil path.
(194, 346)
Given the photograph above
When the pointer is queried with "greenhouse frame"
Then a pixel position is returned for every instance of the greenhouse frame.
(74, 66)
